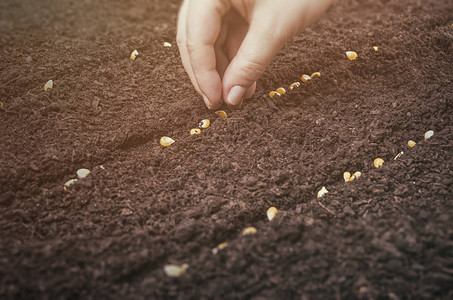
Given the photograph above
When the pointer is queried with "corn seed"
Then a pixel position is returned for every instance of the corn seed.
(351, 55)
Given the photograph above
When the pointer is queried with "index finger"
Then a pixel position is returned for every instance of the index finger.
(203, 28)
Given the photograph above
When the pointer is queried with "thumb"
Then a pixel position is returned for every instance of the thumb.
(260, 45)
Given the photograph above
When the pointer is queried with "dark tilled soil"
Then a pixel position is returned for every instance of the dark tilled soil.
(386, 235)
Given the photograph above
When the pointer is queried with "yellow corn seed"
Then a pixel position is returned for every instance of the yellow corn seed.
(281, 91)
(322, 192)
(305, 78)
(249, 231)
(274, 93)
(271, 213)
(195, 131)
(134, 54)
(347, 176)
(167, 45)
(411, 143)
(175, 270)
(48, 85)
(356, 175)
(375, 48)
(378, 162)
(294, 85)
(1, 105)
(221, 114)
(222, 246)
(429, 134)
(166, 141)
(82, 173)
(351, 55)
(69, 183)
(219, 247)
(315, 74)
(204, 124)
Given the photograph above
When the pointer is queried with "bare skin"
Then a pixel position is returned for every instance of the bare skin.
(226, 45)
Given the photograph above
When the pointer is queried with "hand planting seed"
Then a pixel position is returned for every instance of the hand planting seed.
(175, 270)
(204, 123)
(221, 114)
(195, 131)
(281, 91)
(411, 143)
(273, 94)
(166, 141)
(48, 85)
(82, 173)
(249, 231)
(351, 55)
(322, 192)
(271, 213)
(134, 54)
(167, 45)
(429, 134)
(305, 78)
(378, 162)
(294, 85)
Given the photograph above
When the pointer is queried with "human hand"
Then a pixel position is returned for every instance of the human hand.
(226, 45)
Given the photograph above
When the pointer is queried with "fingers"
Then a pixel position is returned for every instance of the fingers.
(256, 51)
(203, 29)
(181, 40)
(268, 33)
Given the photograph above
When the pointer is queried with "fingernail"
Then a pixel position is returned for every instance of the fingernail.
(236, 94)
(206, 101)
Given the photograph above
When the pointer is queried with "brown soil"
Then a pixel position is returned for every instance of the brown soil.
(385, 235)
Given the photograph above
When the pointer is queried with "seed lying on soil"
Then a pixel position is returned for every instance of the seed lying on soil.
(167, 45)
(166, 141)
(175, 270)
(322, 192)
(221, 114)
(398, 155)
(274, 93)
(294, 85)
(102, 167)
(48, 85)
(346, 176)
(356, 175)
(315, 74)
(305, 78)
(281, 91)
(249, 231)
(69, 183)
(1, 105)
(351, 55)
(378, 162)
(204, 124)
(429, 134)
(195, 131)
(82, 173)
(271, 213)
(219, 247)
(375, 48)
(134, 54)
(411, 143)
